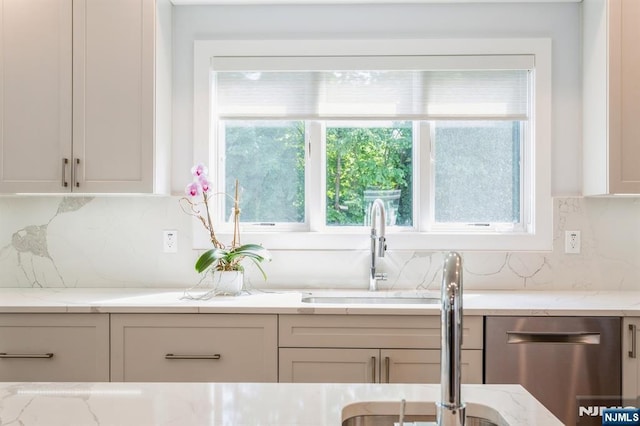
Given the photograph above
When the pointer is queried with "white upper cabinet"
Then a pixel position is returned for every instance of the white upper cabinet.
(78, 96)
(35, 94)
(113, 95)
(611, 97)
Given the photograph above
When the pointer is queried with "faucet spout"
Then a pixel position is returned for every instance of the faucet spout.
(378, 241)
(451, 410)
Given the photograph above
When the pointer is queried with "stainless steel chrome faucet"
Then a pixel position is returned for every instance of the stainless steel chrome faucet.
(378, 242)
(450, 410)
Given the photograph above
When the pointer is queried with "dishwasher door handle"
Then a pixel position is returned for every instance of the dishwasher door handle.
(573, 337)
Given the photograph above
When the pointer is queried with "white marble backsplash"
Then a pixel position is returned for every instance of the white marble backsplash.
(109, 241)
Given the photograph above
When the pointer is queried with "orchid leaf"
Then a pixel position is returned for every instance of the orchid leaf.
(229, 259)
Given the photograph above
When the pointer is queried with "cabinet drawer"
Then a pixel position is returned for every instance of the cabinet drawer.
(193, 348)
(54, 347)
(362, 331)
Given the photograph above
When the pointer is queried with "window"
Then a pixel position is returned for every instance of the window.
(456, 145)
(477, 173)
(365, 161)
(268, 159)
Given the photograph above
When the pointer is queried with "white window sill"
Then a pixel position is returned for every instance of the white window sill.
(485, 241)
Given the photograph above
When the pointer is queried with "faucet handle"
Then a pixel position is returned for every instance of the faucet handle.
(382, 246)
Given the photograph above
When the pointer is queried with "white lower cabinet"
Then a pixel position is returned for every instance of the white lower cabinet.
(423, 365)
(328, 365)
(54, 347)
(194, 348)
(235, 348)
(631, 359)
(371, 349)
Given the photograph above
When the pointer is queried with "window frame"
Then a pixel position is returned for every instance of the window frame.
(316, 235)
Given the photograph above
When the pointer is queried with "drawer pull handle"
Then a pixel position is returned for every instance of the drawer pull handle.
(580, 337)
(6, 355)
(174, 356)
(632, 329)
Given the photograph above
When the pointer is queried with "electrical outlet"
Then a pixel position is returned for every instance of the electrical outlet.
(572, 242)
(170, 241)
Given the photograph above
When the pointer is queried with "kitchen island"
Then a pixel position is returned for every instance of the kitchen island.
(243, 404)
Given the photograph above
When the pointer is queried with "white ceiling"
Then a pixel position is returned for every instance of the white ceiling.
(274, 2)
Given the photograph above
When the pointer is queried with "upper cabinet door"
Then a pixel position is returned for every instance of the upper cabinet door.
(611, 97)
(35, 95)
(626, 176)
(113, 95)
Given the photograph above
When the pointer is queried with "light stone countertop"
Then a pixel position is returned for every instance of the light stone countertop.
(139, 300)
(244, 404)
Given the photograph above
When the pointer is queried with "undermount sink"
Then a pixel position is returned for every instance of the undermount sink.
(374, 300)
(419, 420)
(386, 413)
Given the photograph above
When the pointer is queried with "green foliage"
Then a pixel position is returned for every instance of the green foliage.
(268, 158)
(230, 259)
(361, 158)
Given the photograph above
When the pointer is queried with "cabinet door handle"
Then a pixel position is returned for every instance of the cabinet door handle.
(76, 182)
(178, 356)
(45, 355)
(633, 330)
(64, 182)
(373, 369)
(387, 366)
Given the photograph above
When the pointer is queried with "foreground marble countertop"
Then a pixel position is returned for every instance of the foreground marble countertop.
(240, 404)
(139, 300)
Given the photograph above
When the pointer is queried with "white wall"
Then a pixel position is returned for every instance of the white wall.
(559, 21)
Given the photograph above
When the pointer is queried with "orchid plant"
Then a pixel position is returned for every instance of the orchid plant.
(220, 257)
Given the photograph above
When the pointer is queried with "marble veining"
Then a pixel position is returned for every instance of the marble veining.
(115, 241)
(239, 404)
(30, 247)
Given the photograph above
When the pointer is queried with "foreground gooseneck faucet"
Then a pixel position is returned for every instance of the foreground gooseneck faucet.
(378, 242)
(450, 410)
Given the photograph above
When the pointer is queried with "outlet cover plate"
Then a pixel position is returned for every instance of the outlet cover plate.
(170, 241)
(572, 242)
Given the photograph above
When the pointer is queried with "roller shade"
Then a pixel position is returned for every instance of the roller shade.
(487, 87)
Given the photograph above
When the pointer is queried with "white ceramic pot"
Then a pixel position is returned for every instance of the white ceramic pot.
(228, 283)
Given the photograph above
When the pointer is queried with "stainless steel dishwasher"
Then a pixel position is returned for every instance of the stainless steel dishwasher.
(558, 360)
